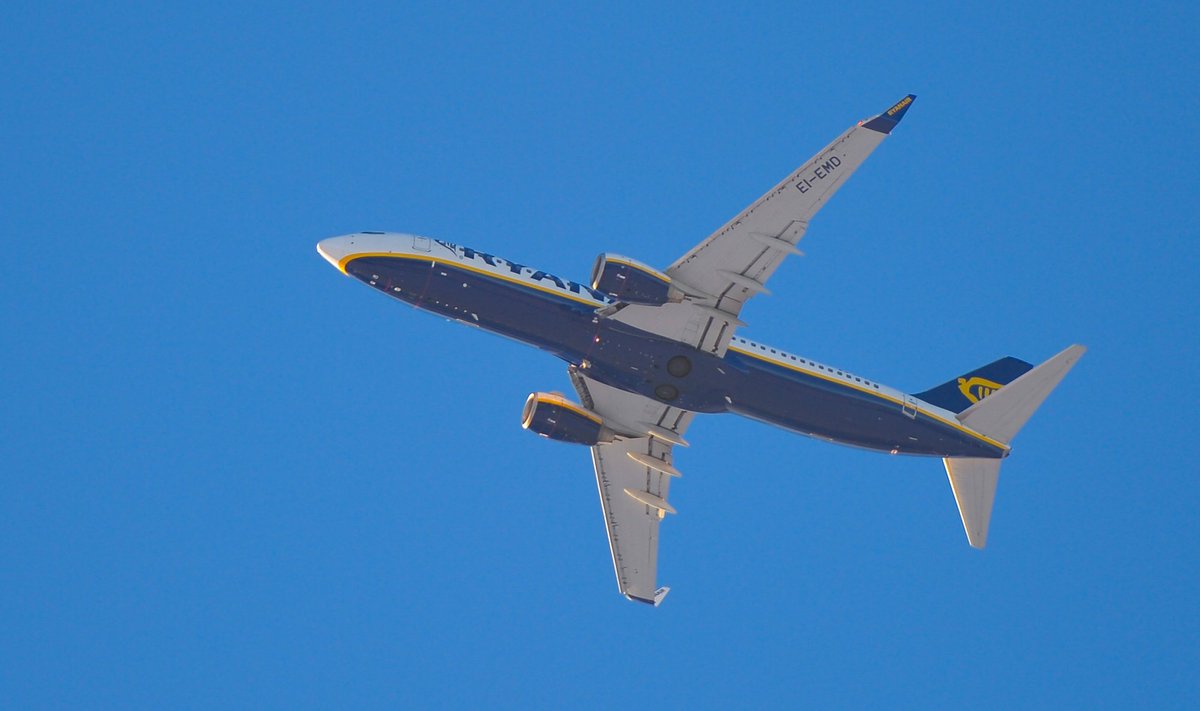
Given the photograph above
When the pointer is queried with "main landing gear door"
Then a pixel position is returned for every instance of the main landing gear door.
(909, 407)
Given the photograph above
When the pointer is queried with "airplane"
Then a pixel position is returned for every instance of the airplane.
(647, 349)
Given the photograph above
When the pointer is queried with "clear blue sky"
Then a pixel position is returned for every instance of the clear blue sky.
(235, 478)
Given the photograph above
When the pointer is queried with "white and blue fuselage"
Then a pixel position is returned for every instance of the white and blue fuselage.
(566, 318)
(647, 348)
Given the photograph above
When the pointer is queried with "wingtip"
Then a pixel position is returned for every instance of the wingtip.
(1072, 353)
(659, 594)
(886, 121)
(900, 108)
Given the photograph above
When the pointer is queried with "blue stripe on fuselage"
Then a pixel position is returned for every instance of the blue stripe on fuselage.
(510, 307)
(825, 407)
(757, 386)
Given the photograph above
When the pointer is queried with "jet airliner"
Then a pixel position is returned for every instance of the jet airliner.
(647, 349)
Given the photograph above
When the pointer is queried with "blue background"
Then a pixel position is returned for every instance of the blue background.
(235, 478)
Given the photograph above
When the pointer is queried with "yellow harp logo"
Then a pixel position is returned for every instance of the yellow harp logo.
(976, 389)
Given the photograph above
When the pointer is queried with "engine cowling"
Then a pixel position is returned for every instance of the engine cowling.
(630, 281)
(552, 415)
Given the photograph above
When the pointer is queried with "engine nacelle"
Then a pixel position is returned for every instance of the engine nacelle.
(556, 417)
(630, 281)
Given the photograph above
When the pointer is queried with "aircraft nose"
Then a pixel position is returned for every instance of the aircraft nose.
(336, 249)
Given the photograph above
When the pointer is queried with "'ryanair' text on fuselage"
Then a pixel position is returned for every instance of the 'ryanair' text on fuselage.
(492, 260)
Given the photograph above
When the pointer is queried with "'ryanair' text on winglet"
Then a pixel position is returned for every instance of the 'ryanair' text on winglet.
(886, 121)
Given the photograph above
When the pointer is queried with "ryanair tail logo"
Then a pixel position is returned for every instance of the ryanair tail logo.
(976, 389)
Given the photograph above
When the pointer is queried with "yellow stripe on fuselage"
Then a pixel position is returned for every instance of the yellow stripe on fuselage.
(563, 293)
(956, 425)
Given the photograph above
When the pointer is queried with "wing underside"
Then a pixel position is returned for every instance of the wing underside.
(720, 274)
(633, 476)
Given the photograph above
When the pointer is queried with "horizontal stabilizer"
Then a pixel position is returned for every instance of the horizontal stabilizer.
(1002, 414)
(974, 485)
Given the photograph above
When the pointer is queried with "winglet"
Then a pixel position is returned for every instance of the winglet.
(658, 597)
(886, 121)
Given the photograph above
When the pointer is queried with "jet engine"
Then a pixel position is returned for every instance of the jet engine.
(630, 281)
(552, 415)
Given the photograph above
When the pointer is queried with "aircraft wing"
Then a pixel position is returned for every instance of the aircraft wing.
(721, 273)
(633, 475)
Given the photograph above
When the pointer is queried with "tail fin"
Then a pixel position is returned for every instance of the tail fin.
(964, 391)
(1000, 416)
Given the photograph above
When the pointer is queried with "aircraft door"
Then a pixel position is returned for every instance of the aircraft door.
(421, 244)
(909, 406)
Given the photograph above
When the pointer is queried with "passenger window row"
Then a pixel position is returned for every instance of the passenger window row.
(810, 363)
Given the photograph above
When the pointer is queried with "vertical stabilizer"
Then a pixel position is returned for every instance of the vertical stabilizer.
(974, 485)
(968, 389)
